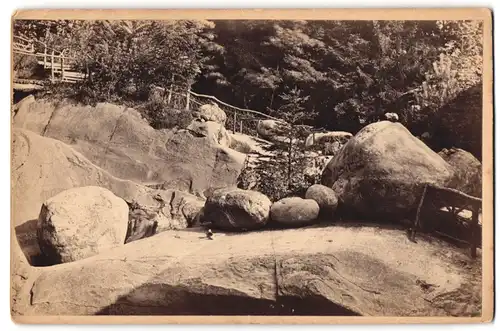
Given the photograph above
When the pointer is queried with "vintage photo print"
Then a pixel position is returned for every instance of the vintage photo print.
(252, 166)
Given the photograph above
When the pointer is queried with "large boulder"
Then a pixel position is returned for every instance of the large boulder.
(325, 197)
(294, 211)
(211, 112)
(381, 171)
(168, 210)
(236, 209)
(120, 141)
(81, 222)
(328, 142)
(313, 271)
(467, 171)
(273, 130)
(213, 131)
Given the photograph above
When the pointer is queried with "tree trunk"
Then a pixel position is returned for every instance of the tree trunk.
(188, 94)
(272, 99)
(170, 91)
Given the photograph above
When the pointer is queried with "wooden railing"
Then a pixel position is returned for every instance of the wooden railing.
(453, 202)
(238, 119)
(61, 66)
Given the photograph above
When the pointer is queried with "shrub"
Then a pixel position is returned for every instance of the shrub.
(25, 66)
(160, 116)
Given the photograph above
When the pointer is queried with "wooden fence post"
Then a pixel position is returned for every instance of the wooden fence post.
(44, 56)
(234, 122)
(473, 233)
(417, 217)
(52, 65)
(241, 126)
(62, 68)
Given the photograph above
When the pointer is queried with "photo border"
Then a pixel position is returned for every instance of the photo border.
(471, 13)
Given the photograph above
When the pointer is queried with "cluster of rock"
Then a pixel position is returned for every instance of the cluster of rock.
(235, 209)
(73, 189)
(327, 143)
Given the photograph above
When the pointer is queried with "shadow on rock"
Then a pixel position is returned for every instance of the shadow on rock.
(27, 239)
(178, 301)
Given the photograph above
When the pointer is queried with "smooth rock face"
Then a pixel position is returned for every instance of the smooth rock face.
(467, 171)
(120, 141)
(295, 211)
(329, 142)
(215, 132)
(37, 159)
(211, 112)
(315, 271)
(81, 222)
(324, 196)
(381, 171)
(236, 209)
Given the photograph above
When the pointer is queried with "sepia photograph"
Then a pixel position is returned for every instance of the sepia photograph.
(255, 164)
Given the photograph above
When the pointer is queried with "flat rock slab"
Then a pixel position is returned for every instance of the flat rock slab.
(308, 271)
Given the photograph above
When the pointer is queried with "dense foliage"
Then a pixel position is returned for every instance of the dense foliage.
(346, 74)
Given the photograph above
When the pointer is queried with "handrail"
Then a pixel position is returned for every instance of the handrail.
(231, 106)
(36, 41)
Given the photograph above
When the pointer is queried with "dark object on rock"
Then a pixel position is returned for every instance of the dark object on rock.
(210, 234)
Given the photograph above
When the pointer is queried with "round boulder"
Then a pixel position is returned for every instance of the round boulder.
(324, 196)
(236, 209)
(81, 222)
(211, 112)
(467, 170)
(381, 172)
(295, 211)
(272, 130)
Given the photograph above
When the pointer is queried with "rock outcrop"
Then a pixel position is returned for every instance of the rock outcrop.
(294, 211)
(210, 112)
(169, 210)
(315, 271)
(380, 172)
(467, 170)
(236, 209)
(325, 197)
(44, 167)
(213, 131)
(81, 222)
(120, 141)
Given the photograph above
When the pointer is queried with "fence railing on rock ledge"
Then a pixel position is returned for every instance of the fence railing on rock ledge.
(239, 120)
(449, 203)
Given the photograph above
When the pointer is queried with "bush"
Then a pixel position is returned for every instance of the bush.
(25, 66)
(282, 176)
(160, 116)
